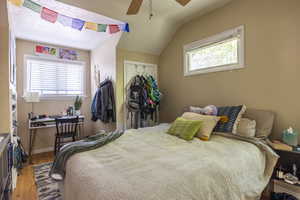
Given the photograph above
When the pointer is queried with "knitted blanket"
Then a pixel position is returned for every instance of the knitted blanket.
(57, 171)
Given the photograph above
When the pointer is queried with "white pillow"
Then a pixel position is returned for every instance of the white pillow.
(246, 127)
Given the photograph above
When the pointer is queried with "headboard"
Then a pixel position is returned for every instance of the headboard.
(264, 120)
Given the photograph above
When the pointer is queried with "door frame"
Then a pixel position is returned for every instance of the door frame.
(124, 86)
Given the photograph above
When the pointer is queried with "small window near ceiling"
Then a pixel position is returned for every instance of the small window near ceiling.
(224, 51)
(54, 78)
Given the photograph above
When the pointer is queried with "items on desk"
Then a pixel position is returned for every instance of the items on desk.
(70, 111)
(77, 105)
(38, 117)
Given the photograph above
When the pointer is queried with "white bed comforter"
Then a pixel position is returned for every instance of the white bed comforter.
(148, 164)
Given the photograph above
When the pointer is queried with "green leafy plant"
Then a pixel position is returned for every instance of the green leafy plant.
(78, 103)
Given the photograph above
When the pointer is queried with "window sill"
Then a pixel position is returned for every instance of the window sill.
(59, 98)
(214, 69)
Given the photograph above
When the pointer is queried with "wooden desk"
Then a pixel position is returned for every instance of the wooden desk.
(35, 125)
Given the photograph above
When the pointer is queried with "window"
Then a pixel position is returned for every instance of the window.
(224, 51)
(53, 77)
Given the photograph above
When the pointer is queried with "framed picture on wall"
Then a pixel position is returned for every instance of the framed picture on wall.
(42, 50)
(68, 54)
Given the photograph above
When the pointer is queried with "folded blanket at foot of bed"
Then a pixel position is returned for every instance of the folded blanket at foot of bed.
(57, 171)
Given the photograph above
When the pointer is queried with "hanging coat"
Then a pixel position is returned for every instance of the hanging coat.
(103, 106)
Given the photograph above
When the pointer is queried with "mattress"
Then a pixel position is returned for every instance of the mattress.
(148, 164)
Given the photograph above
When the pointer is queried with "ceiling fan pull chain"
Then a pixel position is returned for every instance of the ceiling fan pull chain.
(150, 9)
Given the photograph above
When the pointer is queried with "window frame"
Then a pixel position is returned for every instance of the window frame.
(53, 96)
(220, 37)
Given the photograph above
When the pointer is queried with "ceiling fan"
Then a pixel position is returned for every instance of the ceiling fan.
(136, 4)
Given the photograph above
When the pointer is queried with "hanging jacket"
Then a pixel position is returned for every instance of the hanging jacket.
(103, 106)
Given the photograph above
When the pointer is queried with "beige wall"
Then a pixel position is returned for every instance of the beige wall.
(123, 55)
(271, 77)
(103, 60)
(45, 137)
(4, 69)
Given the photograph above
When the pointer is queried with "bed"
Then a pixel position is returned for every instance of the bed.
(148, 164)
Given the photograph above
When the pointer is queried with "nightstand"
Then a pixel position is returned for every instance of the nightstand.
(286, 161)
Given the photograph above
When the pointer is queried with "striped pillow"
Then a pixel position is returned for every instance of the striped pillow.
(234, 114)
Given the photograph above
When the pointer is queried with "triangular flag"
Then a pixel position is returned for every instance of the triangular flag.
(113, 28)
(91, 25)
(102, 27)
(49, 15)
(77, 24)
(16, 2)
(39, 49)
(64, 20)
(32, 6)
(124, 27)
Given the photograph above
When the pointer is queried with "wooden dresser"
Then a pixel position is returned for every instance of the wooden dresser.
(5, 169)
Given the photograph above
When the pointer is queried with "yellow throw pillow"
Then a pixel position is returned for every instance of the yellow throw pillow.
(208, 123)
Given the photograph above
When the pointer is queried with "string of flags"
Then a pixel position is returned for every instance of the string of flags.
(75, 23)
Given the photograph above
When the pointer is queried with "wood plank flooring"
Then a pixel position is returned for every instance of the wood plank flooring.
(26, 188)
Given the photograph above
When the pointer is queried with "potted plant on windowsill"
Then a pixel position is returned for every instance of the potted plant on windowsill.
(77, 105)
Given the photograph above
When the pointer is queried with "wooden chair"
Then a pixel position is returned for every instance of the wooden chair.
(66, 132)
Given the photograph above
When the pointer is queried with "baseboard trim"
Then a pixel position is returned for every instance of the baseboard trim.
(43, 150)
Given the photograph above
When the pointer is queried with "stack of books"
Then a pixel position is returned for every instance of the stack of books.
(281, 146)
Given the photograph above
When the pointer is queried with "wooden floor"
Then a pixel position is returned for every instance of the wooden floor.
(26, 189)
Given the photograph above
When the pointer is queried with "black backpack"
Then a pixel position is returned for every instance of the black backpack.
(136, 97)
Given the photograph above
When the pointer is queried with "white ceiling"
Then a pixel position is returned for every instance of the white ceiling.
(28, 25)
(145, 36)
(149, 36)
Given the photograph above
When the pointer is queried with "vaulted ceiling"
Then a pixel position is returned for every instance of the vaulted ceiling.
(29, 26)
(149, 36)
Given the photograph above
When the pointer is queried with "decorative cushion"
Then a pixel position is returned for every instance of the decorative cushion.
(208, 123)
(234, 114)
(185, 129)
(246, 127)
(264, 121)
(207, 110)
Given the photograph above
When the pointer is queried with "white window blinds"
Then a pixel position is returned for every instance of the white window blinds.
(51, 77)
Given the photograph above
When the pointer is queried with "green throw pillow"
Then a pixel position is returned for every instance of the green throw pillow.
(185, 129)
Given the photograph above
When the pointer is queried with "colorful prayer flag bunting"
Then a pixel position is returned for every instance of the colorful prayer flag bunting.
(77, 24)
(91, 25)
(53, 16)
(124, 27)
(113, 28)
(49, 15)
(32, 6)
(102, 27)
(16, 2)
(65, 20)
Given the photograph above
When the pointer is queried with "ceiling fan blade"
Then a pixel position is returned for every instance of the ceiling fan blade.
(134, 7)
(183, 2)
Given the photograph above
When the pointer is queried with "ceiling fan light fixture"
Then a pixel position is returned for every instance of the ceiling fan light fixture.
(150, 9)
(135, 6)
